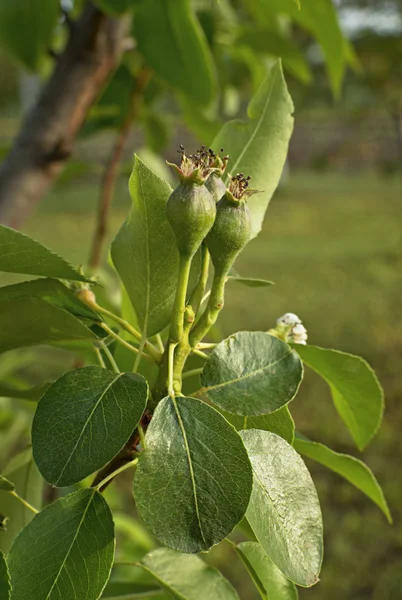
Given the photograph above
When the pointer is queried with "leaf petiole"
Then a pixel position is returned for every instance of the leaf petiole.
(112, 475)
(111, 358)
(123, 342)
(24, 502)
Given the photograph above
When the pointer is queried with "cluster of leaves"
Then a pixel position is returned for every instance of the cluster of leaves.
(201, 471)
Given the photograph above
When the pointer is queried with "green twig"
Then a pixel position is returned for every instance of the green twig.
(171, 391)
(100, 357)
(128, 465)
(123, 342)
(192, 373)
(24, 502)
(177, 323)
(200, 353)
(110, 358)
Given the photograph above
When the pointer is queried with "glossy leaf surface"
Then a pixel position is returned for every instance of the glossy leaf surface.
(83, 420)
(284, 511)
(74, 544)
(251, 373)
(279, 422)
(193, 481)
(5, 589)
(355, 389)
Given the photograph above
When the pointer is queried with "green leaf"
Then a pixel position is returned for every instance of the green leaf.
(250, 282)
(52, 291)
(349, 467)
(279, 422)
(26, 29)
(259, 146)
(284, 511)
(83, 421)
(172, 41)
(5, 588)
(23, 473)
(30, 321)
(320, 18)
(355, 389)
(145, 253)
(6, 485)
(187, 577)
(269, 580)
(129, 591)
(251, 373)
(20, 254)
(33, 393)
(270, 42)
(66, 551)
(193, 481)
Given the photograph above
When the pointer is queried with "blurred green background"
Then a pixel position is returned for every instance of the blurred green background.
(332, 244)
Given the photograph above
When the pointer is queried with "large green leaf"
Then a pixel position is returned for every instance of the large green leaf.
(271, 42)
(193, 481)
(52, 291)
(187, 577)
(145, 253)
(28, 321)
(259, 146)
(320, 18)
(279, 422)
(21, 254)
(173, 43)
(83, 420)
(349, 467)
(251, 373)
(26, 29)
(355, 389)
(25, 476)
(66, 551)
(5, 588)
(269, 580)
(284, 511)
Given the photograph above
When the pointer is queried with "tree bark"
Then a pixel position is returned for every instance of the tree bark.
(47, 136)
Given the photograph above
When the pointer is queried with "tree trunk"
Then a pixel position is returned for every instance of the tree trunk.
(46, 139)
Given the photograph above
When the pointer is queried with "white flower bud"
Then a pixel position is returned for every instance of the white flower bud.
(291, 329)
(288, 319)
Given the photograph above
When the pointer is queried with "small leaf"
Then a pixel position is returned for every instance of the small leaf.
(279, 422)
(259, 146)
(250, 282)
(83, 420)
(187, 577)
(349, 467)
(284, 511)
(193, 481)
(251, 373)
(66, 551)
(5, 588)
(23, 473)
(172, 41)
(6, 485)
(20, 254)
(28, 321)
(144, 251)
(53, 292)
(26, 29)
(269, 580)
(355, 389)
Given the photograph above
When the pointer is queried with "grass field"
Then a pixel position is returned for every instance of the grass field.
(332, 244)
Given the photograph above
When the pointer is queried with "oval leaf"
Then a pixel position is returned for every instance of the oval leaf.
(20, 254)
(172, 41)
(355, 389)
(144, 251)
(193, 481)
(5, 588)
(83, 420)
(251, 373)
(259, 146)
(269, 580)
(53, 292)
(279, 422)
(30, 321)
(349, 467)
(284, 511)
(187, 577)
(250, 282)
(73, 542)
